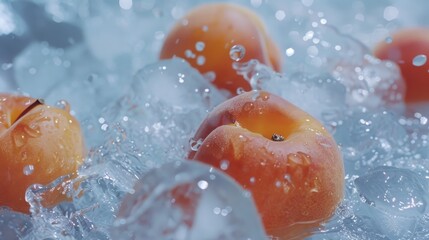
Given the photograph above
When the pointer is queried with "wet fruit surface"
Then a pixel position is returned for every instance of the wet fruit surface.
(281, 154)
(39, 143)
(212, 37)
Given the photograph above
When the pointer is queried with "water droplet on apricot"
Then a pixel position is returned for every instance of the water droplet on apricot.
(19, 139)
(252, 180)
(199, 46)
(237, 52)
(28, 169)
(419, 60)
(32, 130)
(201, 60)
(224, 164)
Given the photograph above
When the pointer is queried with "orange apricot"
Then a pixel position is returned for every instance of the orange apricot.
(409, 48)
(282, 155)
(38, 144)
(208, 35)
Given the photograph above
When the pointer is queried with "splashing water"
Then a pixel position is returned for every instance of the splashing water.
(138, 115)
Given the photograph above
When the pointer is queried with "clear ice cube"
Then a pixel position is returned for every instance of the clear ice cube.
(187, 200)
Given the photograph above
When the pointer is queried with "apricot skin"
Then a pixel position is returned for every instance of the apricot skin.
(47, 139)
(296, 183)
(405, 46)
(220, 26)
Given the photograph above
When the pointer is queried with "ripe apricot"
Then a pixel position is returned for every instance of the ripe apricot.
(38, 144)
(409, 48)
(206, 35)
(285, 157)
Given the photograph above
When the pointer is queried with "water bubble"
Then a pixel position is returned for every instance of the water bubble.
(290, 52)
(195, 144)
(388, 40)
(390, 13)
(419, 60)
(104, 127)
(224, 164)
(28, 169)
(189, 54)
(210, 76)
(280, 15)
(307, 3)
(199, 46)
(126, 4)
(63, 104)
(252, 180)
(32, 130)
(203, 184)
(237, 52)
(201, 60)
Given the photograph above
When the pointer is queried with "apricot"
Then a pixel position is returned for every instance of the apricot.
(206, 35)
(409, 48)
(282, 155)
(38, 144)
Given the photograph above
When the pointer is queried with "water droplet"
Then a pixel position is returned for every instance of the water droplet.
(201, 60)
(224, 164)
(252, 180)
(298, 163)
(199, 46)
(205, 28)
(203, 184)
(189, 54)
(280, 15)
(28, 169)
(390, 13)
(419, 60)
(237, 52)
(195, 144)
(63, 104)
(19, 139)
(290, 52)
(278, 184)
(389, 40)
(210, 76)
(32, 130)
(104, 127)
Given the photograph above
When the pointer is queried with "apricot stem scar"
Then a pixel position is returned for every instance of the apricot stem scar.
(277, 137)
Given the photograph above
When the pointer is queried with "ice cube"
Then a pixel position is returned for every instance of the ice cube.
(14, 225)
(370, 139)
(187, 200)
(397, 199)
(164, 107)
